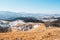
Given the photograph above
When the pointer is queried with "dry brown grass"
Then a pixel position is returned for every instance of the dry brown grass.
(41, 33)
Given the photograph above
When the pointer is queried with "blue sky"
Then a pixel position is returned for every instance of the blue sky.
(30, 6)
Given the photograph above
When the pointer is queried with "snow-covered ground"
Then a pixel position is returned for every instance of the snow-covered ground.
(19, 25)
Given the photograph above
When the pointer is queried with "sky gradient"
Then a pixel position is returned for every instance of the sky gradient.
(30, 6)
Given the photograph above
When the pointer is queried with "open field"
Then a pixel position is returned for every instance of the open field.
(42, 33)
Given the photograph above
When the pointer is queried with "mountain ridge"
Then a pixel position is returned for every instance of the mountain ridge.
(8, 14)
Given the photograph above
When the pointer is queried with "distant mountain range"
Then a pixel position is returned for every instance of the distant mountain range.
(4, 15)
